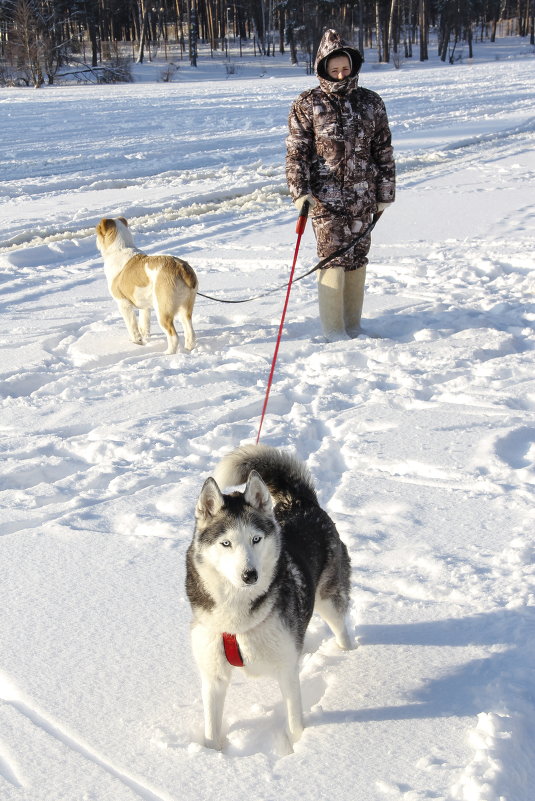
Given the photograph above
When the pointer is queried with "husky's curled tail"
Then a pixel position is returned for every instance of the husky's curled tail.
(286, 478)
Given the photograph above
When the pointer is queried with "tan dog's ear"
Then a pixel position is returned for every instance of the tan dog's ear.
(104, 226)
(123, 220)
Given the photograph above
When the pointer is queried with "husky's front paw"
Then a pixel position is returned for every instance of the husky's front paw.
(296, 732)
(214, 744)
(346, 643)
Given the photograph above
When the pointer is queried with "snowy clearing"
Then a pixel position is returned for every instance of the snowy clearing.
(420, 437)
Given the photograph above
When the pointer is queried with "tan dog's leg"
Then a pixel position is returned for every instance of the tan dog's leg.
(168, 327)
(144, 323)
(129, 316)
(184, 315)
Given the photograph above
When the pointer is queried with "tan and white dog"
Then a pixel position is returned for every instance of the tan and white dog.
(166, 284)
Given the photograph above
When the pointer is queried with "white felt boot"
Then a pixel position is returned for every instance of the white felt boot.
(353, 300)
(331, 303)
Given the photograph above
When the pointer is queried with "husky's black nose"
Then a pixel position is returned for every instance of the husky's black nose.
(249, 576)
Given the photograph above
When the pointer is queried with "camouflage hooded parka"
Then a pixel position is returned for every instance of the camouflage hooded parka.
(339, 151)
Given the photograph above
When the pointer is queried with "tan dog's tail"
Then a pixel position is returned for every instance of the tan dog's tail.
(188, 274)
(172, 265)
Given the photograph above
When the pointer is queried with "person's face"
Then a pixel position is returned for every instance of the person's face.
(338, 67)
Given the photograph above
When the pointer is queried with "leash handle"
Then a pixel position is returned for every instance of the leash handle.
(302, 219)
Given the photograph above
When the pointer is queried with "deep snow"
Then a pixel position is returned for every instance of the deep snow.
(420, 436)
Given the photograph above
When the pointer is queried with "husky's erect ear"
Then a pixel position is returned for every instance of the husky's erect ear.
(210, 500)
(123, 220)
(257, 494)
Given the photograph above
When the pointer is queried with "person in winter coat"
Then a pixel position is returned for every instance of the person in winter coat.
(340, 159)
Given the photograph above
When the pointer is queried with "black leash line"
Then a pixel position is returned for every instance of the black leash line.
(318, 266)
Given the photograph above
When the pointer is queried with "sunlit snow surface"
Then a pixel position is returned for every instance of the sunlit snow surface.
(420, 437)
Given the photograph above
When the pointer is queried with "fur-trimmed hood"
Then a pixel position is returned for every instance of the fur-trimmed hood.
(332, 44)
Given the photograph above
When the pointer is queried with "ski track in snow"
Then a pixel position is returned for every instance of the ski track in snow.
(420, 435)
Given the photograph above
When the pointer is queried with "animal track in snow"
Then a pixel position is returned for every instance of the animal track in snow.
(517, 448)
(9, 770)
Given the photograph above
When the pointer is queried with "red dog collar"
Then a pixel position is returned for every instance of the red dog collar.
(232, 650)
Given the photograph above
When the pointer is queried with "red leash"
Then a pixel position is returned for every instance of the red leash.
(299, 230)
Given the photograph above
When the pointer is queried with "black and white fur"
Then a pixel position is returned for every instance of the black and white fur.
(260, 562)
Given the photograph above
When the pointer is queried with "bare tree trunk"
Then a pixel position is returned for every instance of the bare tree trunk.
(521, 20)
(378, 29)
(193, 33)
(27, 44)
(424, 28)
(393, 36)
(211, 27)
(361, 27)
(386, 40)
(292, 45)
(444, 42)
(93, 38)
(144, 13)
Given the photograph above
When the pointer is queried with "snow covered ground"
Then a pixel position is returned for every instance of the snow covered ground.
(420, 436)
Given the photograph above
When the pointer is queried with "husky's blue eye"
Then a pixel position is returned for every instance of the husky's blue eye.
(225, 543)
(256, 540)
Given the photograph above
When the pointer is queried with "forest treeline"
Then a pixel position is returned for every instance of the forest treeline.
(88, 39)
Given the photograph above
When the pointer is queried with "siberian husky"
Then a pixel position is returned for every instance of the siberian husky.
(137, 281)
(260, 562)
